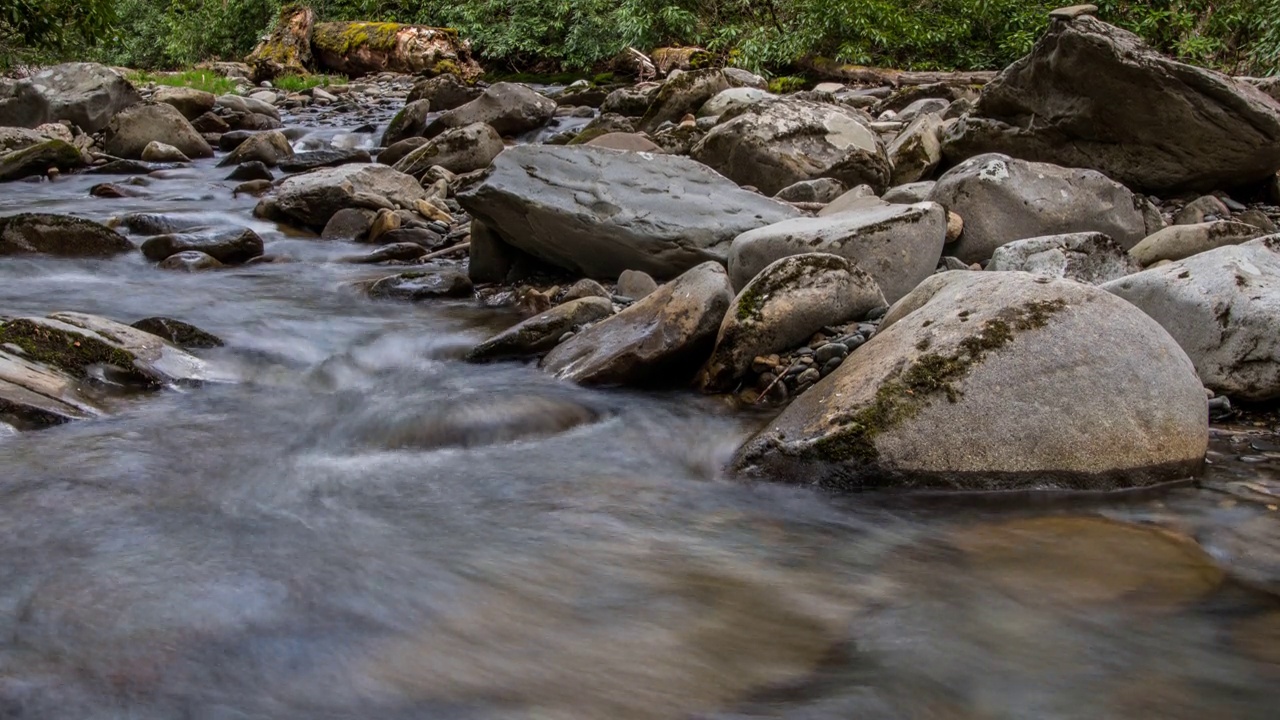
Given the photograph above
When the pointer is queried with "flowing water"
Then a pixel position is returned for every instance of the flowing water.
(359, 525)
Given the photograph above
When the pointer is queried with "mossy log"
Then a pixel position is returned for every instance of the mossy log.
(287, 50)
(862, 75)
(363, 48)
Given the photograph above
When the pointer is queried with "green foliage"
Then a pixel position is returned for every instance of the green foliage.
(771, 36)
(199, 79)
(298, 83)
(787, 84)
(33, 30)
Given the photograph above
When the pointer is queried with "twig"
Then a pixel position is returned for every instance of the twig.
(765, 393)
(446, 251)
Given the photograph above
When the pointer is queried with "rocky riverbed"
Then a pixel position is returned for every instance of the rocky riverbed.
(420, 398)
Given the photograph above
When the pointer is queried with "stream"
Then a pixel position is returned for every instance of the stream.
(357, 524)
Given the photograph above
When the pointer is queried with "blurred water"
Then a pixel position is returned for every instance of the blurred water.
(362, 526)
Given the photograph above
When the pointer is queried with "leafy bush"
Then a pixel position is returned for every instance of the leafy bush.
(33, 30)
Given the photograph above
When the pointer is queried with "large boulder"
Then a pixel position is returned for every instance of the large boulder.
(131, 130)
(782, 307)
(996, 381)
(269, 148)
(192, 103)
(1002, 199)
(458, 150)
(1182, 241)
(410, 122)
(679, 96)
(1090, 258)
(356, 49)
(775, 144)
(1221, 306)
(542, 332)
(917, 150)
(659, 340)
(38, 159)
(509, 108)
(1091, 95)
(229, 246)
(444, 92)
(84, 94)
(897, 245)
(60, 235)
(311, 199)
(736, 97)
(287, 49)
(598, 212)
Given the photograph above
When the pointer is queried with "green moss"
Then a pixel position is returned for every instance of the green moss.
(699, 59)
(342, 37)
(447, 67)
(603, 78)
(931, 375)
(66, 350)
(787, 84)
(758, 291)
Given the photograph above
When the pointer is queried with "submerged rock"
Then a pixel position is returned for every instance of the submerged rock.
(541, 333)
(996, 381)
(598, 212)
(184, 335)
(231, 246)
(60, 235)
(422, 285)
(190, 261)
(659, 340)
(782, 307)
(1221, 306)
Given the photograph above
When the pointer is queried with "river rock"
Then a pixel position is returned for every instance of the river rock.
(541, 333)
(248, 106)
(996, 381)
(326, 157)
(630, 142)
(458, 150)
(679, 96)
(917, 150)
(311, 199)
(772, 145)
(1091, 258)
(508, 108)
(1221, 307)
(1206, 208)
(158, 152)
(444, 92)
(268, 148)
(230, 246)
(184, 335)
(897, 245)
(16, 138)
(190, 261)
(252, 170)
(659, 340)
(782, 307)
(192, 103)
(821, 190)
(393, 252)
(598, 212)
(60, 235)
(735, 97)
(38, 159)
(422, 285)
(635, 284)
(1181, 241)
(393, 154)
(75, 342)
(1002, 199)
(35, 395)
(87, 95)
(411, 121)
(131, 130)
(356, 49)
(909, 193)
(1091, 95)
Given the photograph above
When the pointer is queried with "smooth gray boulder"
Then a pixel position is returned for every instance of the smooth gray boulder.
(60, 235)
(311, 199)
(1091, 95)
(1221, 306)
(1091, 258)
(897, 245)
(909, 193)
(734, 97)
(229, 246)
(131, 130)
(1002, 199)
(410, 122)
(660, 340)
(422, 285)
(190, 261)
(782, 308)
(248, 106)
(158, 152)
(269, 148)
(542, 332)
(458, 150)
(508, 108)
(775, 144)
(87, 95)
(444, 92)
(192, 103)
(916, 152)
(597, 212)
(993, 382)
(821, 190)
(1181, 241)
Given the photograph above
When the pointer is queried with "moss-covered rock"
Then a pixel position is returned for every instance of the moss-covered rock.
(287, 50)
(38, 159)
(61, 235)
(996, 381)
(362, 48)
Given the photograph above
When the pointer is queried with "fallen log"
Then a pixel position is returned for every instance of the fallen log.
(863, 75)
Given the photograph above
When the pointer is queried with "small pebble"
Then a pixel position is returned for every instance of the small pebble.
(809, 377)
(831, 366)
(831, 351)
